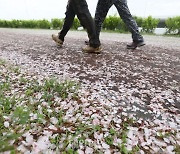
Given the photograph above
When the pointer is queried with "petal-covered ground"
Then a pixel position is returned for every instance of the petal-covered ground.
(62, 100)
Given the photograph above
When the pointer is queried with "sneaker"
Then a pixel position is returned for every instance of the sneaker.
(58, 41)
(89, 49)
(134, 45)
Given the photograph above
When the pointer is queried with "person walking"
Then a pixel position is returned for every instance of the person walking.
(79, 8)
(102, 9)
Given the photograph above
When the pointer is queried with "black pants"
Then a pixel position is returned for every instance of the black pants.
(80, 8)
(102, 9)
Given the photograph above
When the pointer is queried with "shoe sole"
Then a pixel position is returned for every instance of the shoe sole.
(57, 41)
(93, 51)
(140, 45)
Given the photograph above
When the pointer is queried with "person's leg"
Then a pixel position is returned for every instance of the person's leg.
(102, 9)
(68, 21)
(83, 14)
(126, 16)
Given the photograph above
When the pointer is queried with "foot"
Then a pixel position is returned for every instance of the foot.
(89, 49)
(58, 41)
(134, 45)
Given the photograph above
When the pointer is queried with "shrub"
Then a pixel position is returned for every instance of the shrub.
(177, 24)
(10, 24)
(138, 20)
(44, 24)
(76, 24)
(169, 25)
(173, 25)
(114, 23)
(15, 23)
(5, 23)
(56, 23)
(2, 23)
(29, 24)
(111, 23)
(122, 26)
(149, 24)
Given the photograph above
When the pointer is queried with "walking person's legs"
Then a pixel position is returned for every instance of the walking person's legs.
(126, 16)
(102, 9)
(68, 21)
(79, 8)
(83, 14)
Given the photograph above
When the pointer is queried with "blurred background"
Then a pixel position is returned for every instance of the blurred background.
(48, 9)
(155, 16)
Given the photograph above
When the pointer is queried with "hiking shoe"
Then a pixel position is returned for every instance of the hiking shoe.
(89, 49)
(134, 45)
(58, 41)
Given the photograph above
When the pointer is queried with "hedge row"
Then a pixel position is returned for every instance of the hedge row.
(148, 24)
(173, 25)
(44, 24)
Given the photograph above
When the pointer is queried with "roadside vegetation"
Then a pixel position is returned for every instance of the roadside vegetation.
(112, 23)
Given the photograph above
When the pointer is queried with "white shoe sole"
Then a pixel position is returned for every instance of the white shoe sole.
(57, 41)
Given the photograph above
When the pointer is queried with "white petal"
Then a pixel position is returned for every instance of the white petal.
(29, 139)
(105, 146)
(22, 149)
(6, 124)
(170, 149)
(80, 151)
(54, 120)
(88, 150)
(96, 121)
(107, 152)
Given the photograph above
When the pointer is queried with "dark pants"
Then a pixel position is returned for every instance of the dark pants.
(102, 9)
(80, 8)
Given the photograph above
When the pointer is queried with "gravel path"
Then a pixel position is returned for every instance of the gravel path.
(158, 41)
(145, 82)
(143, 73)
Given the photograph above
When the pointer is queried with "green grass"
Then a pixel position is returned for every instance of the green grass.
(19, 115)
(25, 101)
